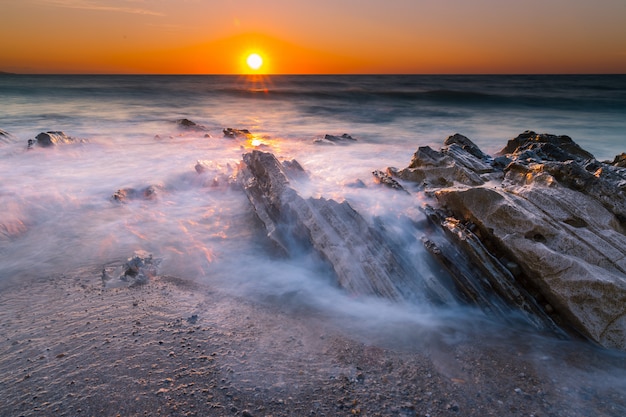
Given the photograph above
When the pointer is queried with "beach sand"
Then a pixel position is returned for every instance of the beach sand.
(173, 347)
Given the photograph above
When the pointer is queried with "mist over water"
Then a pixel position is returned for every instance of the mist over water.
(58, 213)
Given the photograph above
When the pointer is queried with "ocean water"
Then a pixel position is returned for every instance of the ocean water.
(57, 212)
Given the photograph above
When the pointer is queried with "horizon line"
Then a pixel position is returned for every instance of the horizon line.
(312, 74)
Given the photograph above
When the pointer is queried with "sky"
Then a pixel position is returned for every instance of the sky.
(313, 36)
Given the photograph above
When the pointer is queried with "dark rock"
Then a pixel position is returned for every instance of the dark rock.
(125, 194)
(294, 169)
(341, 138)
(332, 139)
(386, 180)
(189, 125)
(466, 144)
(549, 147)
(137, 270)
(232, 133)
(620, 160)
(5, 137)
(48, 139)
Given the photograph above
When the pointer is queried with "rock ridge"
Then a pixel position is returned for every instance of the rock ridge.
(549, 207)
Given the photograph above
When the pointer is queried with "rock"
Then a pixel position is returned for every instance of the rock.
(547, 146)
(229, 132)
(431, 168)
(386, 180)
(294, 169)
(136, 271)
(341, 138)
(466, 144)
(552, 211)
(361, 258)
(482, 279)
(125, 194)
(5, 137)
(620, 161)
(332, 139)
(48, 139)
(566, 245)
(189, 125)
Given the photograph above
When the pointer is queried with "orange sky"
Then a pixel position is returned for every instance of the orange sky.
(321, 36)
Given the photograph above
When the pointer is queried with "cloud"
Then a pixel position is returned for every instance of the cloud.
(122, 6)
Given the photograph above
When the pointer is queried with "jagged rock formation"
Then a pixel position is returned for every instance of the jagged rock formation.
(551, 210)
(362, 259)
(333, 139)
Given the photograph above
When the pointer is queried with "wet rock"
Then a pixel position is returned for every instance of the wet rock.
(620, 161)
(341, 138)
(137, 270)
(385, 179)
(482, 279)
(49, 139)
(546, 146)
(332, 139)
(232, 133)
(124, 195)
(431, 168)
(5, 137)
(466, 144)
(294, 169)
(551, 210)
(189, 125)
(360, 257)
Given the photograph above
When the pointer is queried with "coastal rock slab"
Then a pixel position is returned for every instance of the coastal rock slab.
(360, 257)
(555, 212)
(431, 168)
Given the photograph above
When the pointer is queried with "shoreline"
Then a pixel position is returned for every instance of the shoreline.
(177, 347)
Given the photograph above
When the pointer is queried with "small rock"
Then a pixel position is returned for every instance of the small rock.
(189, 125)
(384, 179)
(332, 139)
(232, 133)
(48, 139)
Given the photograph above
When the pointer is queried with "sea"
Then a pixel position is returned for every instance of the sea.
(58, 213)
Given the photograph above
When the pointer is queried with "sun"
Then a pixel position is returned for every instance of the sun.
(254, 61)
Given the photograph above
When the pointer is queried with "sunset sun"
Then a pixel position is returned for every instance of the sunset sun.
(254, 61)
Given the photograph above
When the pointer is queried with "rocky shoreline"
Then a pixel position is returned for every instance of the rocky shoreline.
(542, 226)
(536, 233)
(551, 211)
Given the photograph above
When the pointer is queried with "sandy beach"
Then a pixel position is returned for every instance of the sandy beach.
(174, 347)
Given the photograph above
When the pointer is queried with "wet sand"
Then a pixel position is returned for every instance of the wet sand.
(172, 347)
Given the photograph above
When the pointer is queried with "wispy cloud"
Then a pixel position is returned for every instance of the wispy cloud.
(124, 6)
